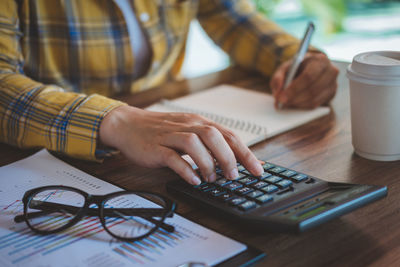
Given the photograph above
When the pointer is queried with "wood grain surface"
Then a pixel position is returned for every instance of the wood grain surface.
(322, 148)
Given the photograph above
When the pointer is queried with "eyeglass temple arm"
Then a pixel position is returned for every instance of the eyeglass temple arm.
(109, 212)
(145, 213)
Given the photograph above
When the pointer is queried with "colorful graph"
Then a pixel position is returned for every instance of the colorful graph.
(86, 243)
(13, 208)
(143, 250)
(23, 245)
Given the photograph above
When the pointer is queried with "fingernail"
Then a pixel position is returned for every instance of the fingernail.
(212, 177)
(196, 180)
(233, 174)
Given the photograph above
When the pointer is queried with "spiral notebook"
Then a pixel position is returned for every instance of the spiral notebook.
(250, 114)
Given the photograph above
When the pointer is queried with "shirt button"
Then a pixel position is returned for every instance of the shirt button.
(144, 17)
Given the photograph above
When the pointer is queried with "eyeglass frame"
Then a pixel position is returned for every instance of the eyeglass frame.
(99, 200)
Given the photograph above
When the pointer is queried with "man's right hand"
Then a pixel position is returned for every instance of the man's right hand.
(155, 139)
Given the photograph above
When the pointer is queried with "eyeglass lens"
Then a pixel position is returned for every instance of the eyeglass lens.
(127, 215)
(46, 213)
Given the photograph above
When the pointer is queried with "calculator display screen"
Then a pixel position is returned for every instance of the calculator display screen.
(335, 195)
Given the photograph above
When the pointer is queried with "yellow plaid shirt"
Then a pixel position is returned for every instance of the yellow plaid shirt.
(60, 60)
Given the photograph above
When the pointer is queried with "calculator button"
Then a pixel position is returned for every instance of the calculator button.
(237, 200)
(268, 166)
(246, 172)
(223, 181)
(244, 190)
(264, 199)
(216, 192)
(299, 177)
(226, 196)
(241, 175)
(284, 183)
(206, 187)
(241, 168)
(260, 184)
(220, 175)
(273, 179)
(233, 186)
(255, 194)
(277, 170)
(199, 185)
(248, 180)
(247, 205)
(270, 188)
(265, 175)
(288, 173)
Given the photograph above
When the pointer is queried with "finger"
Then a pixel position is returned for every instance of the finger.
(326, 95)
(180, 117)
(191, 144)
(305, 98)
(325, 88)
(325, 98)
(310, 71)
(216, 143)
(319, 92)
(242, 153)
(334, 85)
(170, 158)
(299, 88)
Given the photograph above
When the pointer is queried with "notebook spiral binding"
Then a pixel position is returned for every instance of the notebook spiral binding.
(232, 123)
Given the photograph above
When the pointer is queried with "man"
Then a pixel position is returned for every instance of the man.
(60, 59)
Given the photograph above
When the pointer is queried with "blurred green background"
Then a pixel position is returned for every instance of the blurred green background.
(373, 24)
(344, 28)
(330, 13)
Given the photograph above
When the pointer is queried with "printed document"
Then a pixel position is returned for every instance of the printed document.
(88, 244)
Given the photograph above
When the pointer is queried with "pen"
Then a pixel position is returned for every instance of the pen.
(298, 58)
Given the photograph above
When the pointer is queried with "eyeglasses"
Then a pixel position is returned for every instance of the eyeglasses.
(125, 215)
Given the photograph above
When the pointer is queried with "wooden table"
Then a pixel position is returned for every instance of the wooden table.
(322, 148)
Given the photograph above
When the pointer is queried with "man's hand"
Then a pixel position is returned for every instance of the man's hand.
(314, 85)
(154, 139)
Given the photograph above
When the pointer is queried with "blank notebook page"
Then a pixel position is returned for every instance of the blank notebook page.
(250, 114)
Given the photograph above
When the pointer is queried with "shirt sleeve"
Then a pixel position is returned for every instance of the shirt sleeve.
(251, 40)
(33, 114)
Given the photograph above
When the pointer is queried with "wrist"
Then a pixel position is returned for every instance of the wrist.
(113, 125)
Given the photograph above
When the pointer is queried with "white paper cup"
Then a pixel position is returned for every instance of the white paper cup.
(375, 104)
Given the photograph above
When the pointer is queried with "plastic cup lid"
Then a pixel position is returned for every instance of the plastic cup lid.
(376, 65)
(379, 63)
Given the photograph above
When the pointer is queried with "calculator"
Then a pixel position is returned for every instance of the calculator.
(281, 199)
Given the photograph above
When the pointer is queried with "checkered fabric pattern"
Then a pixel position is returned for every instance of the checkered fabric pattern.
(61, 60)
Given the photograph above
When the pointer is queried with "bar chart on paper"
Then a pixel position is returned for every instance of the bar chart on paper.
(23, 245)
(86, 243)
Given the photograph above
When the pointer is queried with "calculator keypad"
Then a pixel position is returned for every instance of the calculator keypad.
(248, 192)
